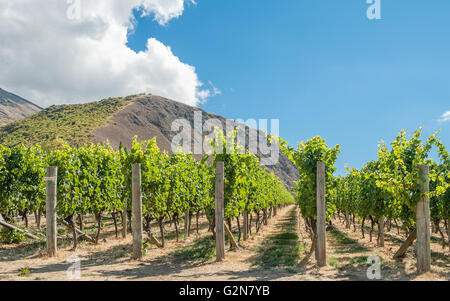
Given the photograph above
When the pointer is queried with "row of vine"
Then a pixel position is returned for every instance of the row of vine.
(96, 180)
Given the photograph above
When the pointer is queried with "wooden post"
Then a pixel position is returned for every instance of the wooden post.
(50, 213)
(423, 222)
(154, 240)
(136, 217)
(124, 220)
(245, 225)
(404, 247)
(230, 237)
(26, 233)
(381, 230)
(321, 217)
(448, 232)
(220, 233)
(81, 233)
(186, 224)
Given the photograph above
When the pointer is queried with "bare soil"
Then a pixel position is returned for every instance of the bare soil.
(280, 251)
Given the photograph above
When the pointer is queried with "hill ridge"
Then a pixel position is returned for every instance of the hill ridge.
(14, 107)
(117, 120)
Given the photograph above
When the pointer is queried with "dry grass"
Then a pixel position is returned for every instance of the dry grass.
(279, 252)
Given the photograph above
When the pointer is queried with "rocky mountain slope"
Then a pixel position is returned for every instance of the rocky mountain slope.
(149, 116)
(118, 120)
(13, 107)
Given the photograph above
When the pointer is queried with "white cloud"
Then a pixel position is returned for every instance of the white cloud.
(215, 91)
(49, 58)
(445, 117)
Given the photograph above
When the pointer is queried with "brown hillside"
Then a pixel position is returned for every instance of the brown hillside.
(149, 116)
(13, 107)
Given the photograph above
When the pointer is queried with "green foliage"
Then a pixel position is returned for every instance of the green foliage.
(71, 123)
(248, 186)
(305, 157)
(21, 179)
(90, 179)
(95, 179)
(24, 272)
(202, 250)
(9, 236)
(390, 186)
(334, 262)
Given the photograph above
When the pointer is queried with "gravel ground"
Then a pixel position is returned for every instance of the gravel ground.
(347, 256)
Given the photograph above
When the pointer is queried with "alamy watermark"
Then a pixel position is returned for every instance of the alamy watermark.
(73, 11)
(374, 271)
(74, 270)
(374, 10)
(250, 135)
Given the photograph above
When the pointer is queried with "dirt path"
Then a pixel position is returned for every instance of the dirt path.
(348, 253)
(190, 260)
(280, 251)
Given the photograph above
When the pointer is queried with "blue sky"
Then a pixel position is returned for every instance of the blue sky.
(320, 66)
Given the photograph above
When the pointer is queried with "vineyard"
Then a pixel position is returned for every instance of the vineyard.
(387, 188)
(96, 183)
(95, 180)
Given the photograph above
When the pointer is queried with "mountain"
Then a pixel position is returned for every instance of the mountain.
(13, 107)
(118, 120)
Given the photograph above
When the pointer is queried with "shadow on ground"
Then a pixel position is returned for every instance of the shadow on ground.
(281, 249)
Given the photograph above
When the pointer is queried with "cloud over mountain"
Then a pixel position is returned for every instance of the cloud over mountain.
(57, 51)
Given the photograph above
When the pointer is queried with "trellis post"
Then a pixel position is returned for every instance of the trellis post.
(321, 216)
(50, 213)
(136, 217)
(124, 220)
(381, 230)
(219, 202)
(245, 225)
(187, 224)
(423, 222)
